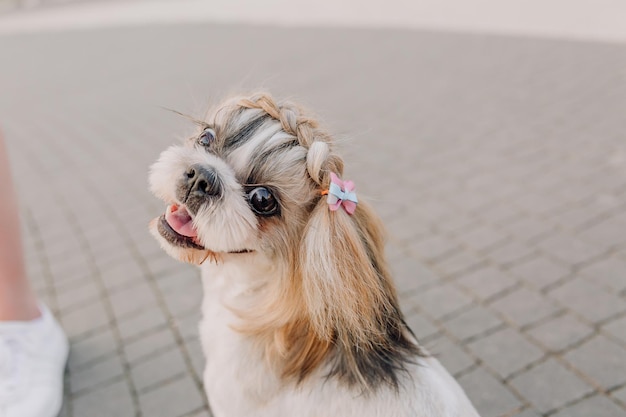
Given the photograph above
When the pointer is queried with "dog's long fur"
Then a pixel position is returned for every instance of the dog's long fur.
(300, 315)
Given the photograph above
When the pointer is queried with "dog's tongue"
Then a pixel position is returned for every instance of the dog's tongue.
(180, 220)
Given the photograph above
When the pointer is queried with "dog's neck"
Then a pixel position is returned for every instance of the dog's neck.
(238, 280)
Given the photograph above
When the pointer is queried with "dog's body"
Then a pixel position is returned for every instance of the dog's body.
(300, 317)
(238, 381)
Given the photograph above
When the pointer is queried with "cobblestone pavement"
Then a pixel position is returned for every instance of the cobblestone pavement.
(498, 165)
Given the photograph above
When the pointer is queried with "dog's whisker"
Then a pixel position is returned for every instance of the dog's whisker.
(194, 120)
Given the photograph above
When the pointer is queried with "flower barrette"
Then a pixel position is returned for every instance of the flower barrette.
(341, 193)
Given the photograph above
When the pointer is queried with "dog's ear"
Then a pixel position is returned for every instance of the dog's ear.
(347, 289)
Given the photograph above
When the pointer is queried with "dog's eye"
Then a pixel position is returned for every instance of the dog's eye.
(263, 202)
(207, 137)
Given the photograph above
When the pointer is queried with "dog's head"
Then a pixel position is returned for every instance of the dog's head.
(250, 185)
(246, 183)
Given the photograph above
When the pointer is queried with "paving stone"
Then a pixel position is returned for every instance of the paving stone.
(539, 203)
(569, 249)
(80, 294)
(159, 368)
(601, 359)
(196, 355)
(161, 265)
(134, 299)
(431, 210)
(179, 279)
(482, 238)
(394, 253)
(470, 201)
(112, 400)
(620, 394)
(101, 372)
(174, 399)
(509, 253)
(506, 351)
(421, 326)
(441, 300)
(120, 273)
(202, 413)
(145, 321)
(149, 344)
(92, 348)
(433, 247)
(560, 333)
(527, 229)
(596, 406)
(60, 240)
(410, 274)
(523, 306)
(527, 413)
(63, 274)
(455, 223)
(608, 233)
(472, 322)
(540, 272)
(608, 272)
(400, 230)
(617, 328)
(451, 356)
(459, 262)
(486, 282)
(183, 302)
(85, 320)
(499, 214)
(188, 325)
(549, 386)
(588, 300)
(490, 397)
(37, 276)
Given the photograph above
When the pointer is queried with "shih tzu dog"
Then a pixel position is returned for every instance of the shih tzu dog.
(300, 314)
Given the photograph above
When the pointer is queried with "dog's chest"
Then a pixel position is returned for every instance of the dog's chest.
(238, 381)
(236, 378)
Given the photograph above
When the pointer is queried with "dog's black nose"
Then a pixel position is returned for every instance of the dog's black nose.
(203, 181)
(197, 185)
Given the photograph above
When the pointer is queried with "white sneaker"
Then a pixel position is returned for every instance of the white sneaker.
(32, 362)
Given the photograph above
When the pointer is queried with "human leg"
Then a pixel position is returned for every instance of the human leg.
(33, 347)
(17, 300)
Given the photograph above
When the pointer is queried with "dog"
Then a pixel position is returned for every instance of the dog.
(300, 314)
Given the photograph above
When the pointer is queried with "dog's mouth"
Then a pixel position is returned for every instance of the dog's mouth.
(176, 226)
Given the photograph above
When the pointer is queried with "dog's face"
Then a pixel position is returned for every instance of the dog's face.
(239, 185)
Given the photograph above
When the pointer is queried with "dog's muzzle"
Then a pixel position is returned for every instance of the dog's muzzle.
(198, 185)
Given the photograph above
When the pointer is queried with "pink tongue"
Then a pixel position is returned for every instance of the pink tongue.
(180, 220)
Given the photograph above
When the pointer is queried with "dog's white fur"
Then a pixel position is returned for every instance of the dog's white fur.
(299, 315)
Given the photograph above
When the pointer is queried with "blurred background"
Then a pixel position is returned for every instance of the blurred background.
(489, 135)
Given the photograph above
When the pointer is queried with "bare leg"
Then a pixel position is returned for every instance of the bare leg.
(17, 300)
(33, 347)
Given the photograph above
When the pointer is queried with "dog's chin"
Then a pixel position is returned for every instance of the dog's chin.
(184, 248)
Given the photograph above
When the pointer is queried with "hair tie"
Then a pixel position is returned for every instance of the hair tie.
(341, 193)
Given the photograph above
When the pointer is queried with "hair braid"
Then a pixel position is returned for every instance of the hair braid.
(320, 158)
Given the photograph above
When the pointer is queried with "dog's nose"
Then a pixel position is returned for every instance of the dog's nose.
(201, 181)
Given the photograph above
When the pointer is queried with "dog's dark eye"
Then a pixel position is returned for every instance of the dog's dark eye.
(263, 202)
(207, 137)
